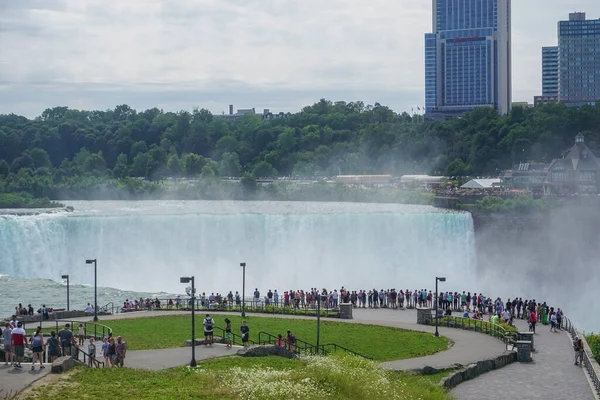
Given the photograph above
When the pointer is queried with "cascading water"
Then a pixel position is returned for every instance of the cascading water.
(285, 245)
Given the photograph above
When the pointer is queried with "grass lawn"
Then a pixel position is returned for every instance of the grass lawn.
(377, 342)
(247, 378)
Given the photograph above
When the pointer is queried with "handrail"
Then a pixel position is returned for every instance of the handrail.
(104, 308)
(100, 331)
(476, 325)
(233, 336)
(306, 347)
(94, 360)
(587, 358)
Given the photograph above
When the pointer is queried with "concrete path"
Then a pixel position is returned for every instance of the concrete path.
(169, 358)
(551, 375)
(14, 380)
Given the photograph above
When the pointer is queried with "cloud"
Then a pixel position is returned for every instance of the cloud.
(294, 50)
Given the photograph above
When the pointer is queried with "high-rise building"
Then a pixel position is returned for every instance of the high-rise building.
(579, 60)
(468, 57)
(550, 71)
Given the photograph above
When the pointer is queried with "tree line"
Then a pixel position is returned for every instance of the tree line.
(67, 151)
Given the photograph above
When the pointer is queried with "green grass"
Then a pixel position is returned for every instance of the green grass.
(247, 378)
(377, 342)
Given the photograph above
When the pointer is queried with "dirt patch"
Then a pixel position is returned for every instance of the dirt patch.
(47, 384)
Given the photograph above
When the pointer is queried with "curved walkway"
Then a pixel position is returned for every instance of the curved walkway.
(551, 375)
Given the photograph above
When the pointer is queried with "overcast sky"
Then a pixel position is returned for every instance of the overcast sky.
(277, 54)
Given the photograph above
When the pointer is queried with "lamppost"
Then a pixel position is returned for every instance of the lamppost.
(94, 261)
(192, 294)
(318, 321)
(437, 279)
(243, 265)
(67, 278)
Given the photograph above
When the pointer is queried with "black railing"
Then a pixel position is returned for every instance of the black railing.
(93, 329)
(251, 305)
(302, 347)
(588, 359)
(475, 325)
(76, 352)
(236, 339)
(107, 308)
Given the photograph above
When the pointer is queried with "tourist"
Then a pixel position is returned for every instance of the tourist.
(18, 343)
(8, 353)
(66, 339)
(91, 352)
(291, 341)
(53, 347)
(111, 351)
(532, 321)
(208, 330)
(105, 351)
(245, 331)
(559, 316)
(279, 341)
(578, 347)
(553, 321)
(88, 308)
(37, 347)
(228, 332)
(81, 334)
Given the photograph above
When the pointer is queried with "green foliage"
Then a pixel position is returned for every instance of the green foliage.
(146, 333)
(261, 378)
(518, 204)
(80, 151)
(594, 342)
(24, 200)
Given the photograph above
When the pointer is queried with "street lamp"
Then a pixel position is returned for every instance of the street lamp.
(67, 278)
(437, 279)
(94, 261)
(318, 321)
(243, 265)
(192, 293)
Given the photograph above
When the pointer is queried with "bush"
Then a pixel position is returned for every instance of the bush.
(594, 342)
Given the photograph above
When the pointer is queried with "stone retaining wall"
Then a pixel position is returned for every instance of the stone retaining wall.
(474, 370)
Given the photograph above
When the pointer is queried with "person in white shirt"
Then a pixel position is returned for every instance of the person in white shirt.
(208, 330)
(89, 308)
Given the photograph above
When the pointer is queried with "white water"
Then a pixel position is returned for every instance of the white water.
(147, 246)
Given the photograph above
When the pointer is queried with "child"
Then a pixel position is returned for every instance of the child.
(245, 331)
(279, 342)
(228, 332)
(91, 351)
(81, 334)
(105, 351)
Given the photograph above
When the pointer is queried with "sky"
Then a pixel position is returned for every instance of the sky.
(276, 54)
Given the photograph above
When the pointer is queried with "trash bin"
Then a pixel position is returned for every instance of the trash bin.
(524, 351)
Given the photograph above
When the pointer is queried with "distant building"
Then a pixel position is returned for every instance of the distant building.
(537, 100)
(266, 115)
(576, 172)
(468, 58)
(364, 179)
(525, 176)
(415, 181)
(523, 104)
(550, 71)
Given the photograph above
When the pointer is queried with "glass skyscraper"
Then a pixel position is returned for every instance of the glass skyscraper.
(579, 60)
(550, 71)
(468, 57)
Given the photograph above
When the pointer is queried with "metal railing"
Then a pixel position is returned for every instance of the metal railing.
(86, 357)
(105, 308)
(94, 329)
(302, 347)
(251, 305)
(236, 339)
(588, 359)
(475, 325)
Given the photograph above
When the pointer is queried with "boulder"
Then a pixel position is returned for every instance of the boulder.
(62, 364)
(264, 351)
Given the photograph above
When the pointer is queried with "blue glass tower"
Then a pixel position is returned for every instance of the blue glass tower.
(550, 71)
(468, 57)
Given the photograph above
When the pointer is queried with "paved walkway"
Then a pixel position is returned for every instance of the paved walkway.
(551, 375)
(169, 358)
(14, 380)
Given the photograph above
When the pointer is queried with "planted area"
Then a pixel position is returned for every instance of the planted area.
(594, 342)
(248, 378)
(377, 342)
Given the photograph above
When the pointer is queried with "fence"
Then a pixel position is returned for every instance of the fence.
(302, 347)
(475, 325)
(251, 305)
(588, 359)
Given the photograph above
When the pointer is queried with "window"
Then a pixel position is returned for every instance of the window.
(559, 175)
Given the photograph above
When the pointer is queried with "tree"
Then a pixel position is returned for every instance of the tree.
(120, 169)
(174, 166)
(40, 157)
(264, 170)
(230, 165)
(140, 165)
(227, 144)
(193, 164)
(248, 183)
(4, 168)
(95, 164)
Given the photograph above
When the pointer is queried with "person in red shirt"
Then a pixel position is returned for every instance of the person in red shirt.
(532, 321)
(18, 342)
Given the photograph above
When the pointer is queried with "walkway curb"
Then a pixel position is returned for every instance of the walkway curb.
(474, 370)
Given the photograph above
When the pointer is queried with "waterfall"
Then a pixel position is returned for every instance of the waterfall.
(358, 250)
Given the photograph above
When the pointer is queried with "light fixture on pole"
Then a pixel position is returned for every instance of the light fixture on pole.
(437, 279)
(243, 265)
(94, 261)
(192, 293)
(67, 278)
(318, 321)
